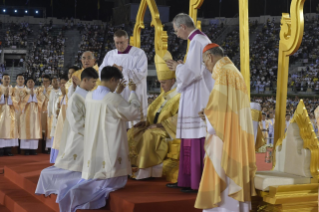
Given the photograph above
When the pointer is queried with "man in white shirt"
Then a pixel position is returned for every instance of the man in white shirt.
(105, 163)
(132, 62)
(195, 83)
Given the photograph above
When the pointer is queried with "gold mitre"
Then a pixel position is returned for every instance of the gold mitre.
(163, 72)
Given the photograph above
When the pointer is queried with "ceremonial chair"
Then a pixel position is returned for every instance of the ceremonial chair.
(292, 185)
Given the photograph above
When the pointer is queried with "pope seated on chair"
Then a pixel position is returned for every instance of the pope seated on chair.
(148, 140)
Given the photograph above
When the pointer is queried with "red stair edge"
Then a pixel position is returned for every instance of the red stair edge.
(30, 187)
(4, 209)
(16, 199)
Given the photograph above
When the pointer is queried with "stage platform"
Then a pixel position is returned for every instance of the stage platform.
(19, 176)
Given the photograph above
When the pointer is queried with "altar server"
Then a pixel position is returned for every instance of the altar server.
(105, 164)
(194, 83)
(132, 62)
(30, 128)
(8, 131)
(54, 95)
(68, 166)
(46, 121)
(227, 183)
(60, 105)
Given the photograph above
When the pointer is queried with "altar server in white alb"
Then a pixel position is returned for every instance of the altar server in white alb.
(132, 62)
(8, 132)
(68, 167)
(54, 95)
(194, 82)
(105, 165)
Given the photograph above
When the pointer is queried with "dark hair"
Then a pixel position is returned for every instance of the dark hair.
(64, 77)
(5, 74)
(89, 73)
(30, 78)
(109, 72)
(47, 77)
(75, 68)
(120, 33)
(19, 75)
(54, 77)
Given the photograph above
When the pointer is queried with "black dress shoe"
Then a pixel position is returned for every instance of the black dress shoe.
(172, 185)
(8, 154)
(188, 190)
(33, 152)
(26, 153)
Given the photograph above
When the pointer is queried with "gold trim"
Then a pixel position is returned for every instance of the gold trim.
(308, 136)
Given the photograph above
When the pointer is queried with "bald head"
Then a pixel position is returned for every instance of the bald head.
(88, 59)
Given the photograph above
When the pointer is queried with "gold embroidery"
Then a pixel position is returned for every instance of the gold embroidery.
(74, 156)
(119, 160)
(103, 164)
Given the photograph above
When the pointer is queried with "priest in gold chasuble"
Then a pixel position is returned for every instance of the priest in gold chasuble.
(30, 126)
(149, 140)
(227, 182)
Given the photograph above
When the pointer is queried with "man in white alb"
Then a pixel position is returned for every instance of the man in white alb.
(132, 62)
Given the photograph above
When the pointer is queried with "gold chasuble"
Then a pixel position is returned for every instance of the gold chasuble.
(78, 75)
(45, 119)
(230, 153)
(30, 126)
(8, 129)
(60, 121)
(149, 147)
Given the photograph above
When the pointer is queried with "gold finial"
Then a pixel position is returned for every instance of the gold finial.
(74, 156)
(103, 164)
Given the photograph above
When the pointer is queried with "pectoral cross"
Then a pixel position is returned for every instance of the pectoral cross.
(74, 156)
(103, 164)
(119, 160)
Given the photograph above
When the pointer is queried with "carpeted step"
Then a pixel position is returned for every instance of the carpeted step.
(16, 199)
(97, 210)
(26, 177)
(4, 209)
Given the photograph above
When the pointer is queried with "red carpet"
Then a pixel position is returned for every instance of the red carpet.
(21, 173)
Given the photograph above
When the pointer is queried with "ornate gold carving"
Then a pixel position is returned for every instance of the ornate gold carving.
(308, 136)
(291, 34)
(75, 156)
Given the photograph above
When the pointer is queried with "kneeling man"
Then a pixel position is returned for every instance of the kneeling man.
(68, 166)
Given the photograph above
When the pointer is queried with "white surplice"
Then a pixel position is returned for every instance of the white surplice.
(135, 67)
(71, 147)
(195, 83)
(30, 143)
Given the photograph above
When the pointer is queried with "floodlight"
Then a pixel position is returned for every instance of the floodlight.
(26, 11)
(4, 10)
(15, 11)
(36, 11)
